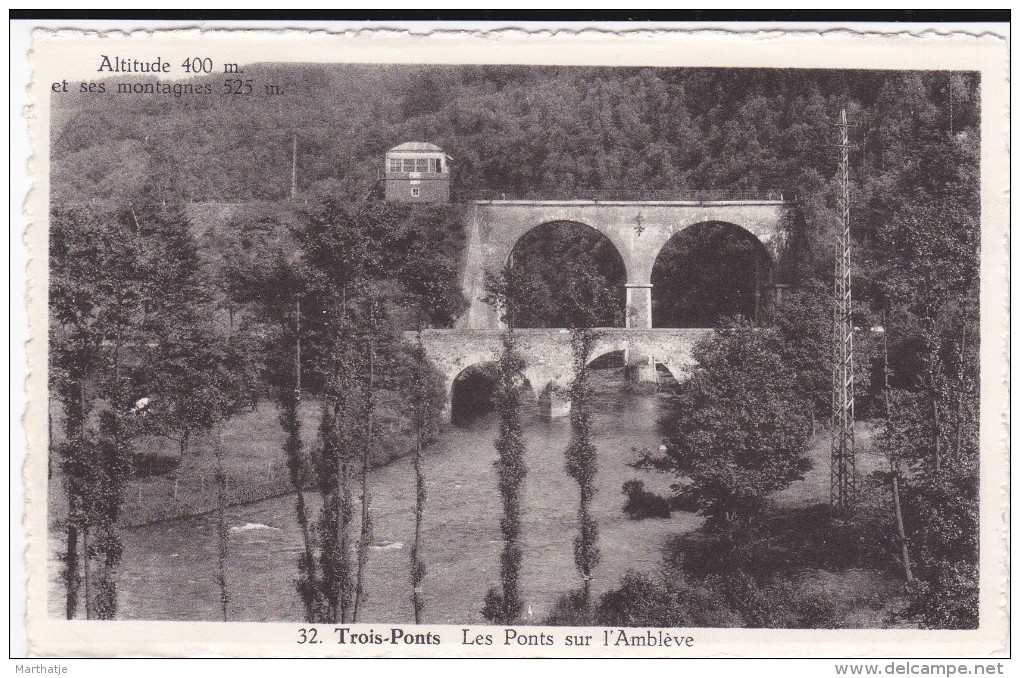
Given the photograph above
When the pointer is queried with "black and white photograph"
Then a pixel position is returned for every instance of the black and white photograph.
(372, 349)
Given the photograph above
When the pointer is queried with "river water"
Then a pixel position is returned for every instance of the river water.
(169, 569)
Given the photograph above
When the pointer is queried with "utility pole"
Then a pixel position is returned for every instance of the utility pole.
(293, 170)
(950, 103)
(893, 454)
(297, 351)
(843, 481)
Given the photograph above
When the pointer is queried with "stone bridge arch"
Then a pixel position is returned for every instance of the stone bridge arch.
(761, 267)
(468, 389)
(637, 229)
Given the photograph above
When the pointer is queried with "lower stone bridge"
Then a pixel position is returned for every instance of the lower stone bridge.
(549, 358)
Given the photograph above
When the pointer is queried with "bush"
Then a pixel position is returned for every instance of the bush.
(148, 464)
(668, 599)
(642, 503)
(663, 600)
(671, 599)
(570, 610)
(777, 603)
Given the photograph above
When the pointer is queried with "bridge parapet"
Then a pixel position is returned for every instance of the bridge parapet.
(639, 195)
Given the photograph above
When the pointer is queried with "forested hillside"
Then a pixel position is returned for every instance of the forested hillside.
(534, 131)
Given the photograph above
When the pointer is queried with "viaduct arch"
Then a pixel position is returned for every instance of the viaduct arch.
(637, 229)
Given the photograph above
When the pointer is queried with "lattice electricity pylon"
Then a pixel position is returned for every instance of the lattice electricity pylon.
(843, 479)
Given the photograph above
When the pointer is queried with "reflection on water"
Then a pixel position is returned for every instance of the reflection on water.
(169, 569)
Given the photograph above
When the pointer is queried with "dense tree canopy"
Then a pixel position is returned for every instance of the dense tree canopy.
(518, 130)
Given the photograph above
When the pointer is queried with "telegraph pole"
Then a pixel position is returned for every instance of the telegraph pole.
(843, 481)
(293, 170)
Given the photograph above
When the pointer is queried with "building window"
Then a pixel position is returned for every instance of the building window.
(409, 165)
(434, 165)
(423, 165)
(415, 192)
(394, 164)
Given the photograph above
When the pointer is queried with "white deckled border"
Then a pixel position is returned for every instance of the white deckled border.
(72, 54)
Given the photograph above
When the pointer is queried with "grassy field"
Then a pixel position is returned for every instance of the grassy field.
(252, 444)
(253, 461)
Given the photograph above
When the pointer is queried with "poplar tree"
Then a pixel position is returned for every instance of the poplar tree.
(582, 309)
(207, 369)
(503, 605)
(222, 533)
(368, 403)
(341, 435)
(358, 263)
(421, 421)
(424, 394)
(582, 463)
(425, 276)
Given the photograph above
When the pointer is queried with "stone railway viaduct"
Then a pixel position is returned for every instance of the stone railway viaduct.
(638, 230)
